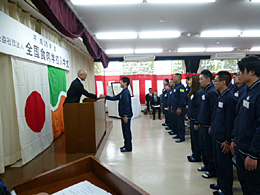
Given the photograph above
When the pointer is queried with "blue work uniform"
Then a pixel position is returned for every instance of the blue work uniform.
(247, 138)
(221, 129)
(178, 101)
(125, 110)
(239, 91)
(193, 112)
(208, 105)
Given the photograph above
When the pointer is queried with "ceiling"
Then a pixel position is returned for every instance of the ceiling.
(187, 18)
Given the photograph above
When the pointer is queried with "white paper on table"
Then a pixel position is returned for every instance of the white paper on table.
(82, 188)
(157, 106)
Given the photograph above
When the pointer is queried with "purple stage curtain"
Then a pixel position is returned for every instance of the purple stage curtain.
(62, 18)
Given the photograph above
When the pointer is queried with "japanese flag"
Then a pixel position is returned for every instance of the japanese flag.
(32, 98)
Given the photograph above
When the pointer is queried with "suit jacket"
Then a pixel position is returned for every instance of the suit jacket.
(155, 103)
(75, 91)
(148, 98)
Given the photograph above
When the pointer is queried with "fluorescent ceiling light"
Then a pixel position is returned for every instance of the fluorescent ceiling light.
(180, 1)
(195, 49)
(255, 1)
(250, 33)
(255, 49)
(217, 49)
(104, 2)
(119, 51)
(159, 34)
(149, 50)
(220, 33)
(117, 35)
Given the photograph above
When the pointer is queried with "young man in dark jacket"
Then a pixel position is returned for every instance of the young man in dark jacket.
(246, 145)
(125, 112)
(208, 107)
(221, 129)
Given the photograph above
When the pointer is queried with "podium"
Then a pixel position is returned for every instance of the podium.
(88, 168)
(85, 125)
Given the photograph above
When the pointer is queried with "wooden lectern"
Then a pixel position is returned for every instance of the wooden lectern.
(85, 125)
(88, 168)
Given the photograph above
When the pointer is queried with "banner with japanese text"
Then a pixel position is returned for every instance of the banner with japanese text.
(30, 45)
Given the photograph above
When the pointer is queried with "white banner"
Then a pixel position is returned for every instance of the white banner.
(18, 40)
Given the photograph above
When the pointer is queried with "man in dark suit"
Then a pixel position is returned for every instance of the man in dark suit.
(148, 97)
(77, 89)
(156, 105)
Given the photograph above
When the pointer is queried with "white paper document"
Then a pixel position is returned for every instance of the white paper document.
(82, 188)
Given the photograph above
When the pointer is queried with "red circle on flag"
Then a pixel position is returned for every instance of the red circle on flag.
(35, 111)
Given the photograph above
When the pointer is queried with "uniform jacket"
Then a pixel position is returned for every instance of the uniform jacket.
(223, 121)
(208, 105)
(178, 97)
(194, 106)
(247, 123)
(75, 91)
(125, 103)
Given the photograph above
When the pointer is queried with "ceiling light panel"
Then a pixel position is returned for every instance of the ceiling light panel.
(218, 49)
(194, 49)
(149, 50)
(255, 49)
(119, 51)
(159, 34)
(258, 1)
(220, 33)
(105, 2)
(250, 33)
(180, 1)
(117, 35)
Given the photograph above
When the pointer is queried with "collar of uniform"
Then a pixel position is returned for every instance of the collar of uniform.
(209, 85)
(178, 83)
(225, 92)
(80, 80)
(252, 86)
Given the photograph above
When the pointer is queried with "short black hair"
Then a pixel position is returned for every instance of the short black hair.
(178, 74)
(150, 89)
(155, 91)
(250, 63)
(167, 80)
(207, 74)
(235, 74)
(225, 76)
(125, 80)
(187, 78)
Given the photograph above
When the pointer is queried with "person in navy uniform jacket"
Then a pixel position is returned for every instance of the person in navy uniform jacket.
(77, 89)
(246, 143)
(166, 82)
(240, 88)
(221, 129)
(208, 106)
(179, 107)
(165, 104)
(148, 97)
(156, 105)
(171, 125)
(193, 112)
(125, 112)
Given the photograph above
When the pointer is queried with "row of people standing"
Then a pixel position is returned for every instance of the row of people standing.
(225, 121)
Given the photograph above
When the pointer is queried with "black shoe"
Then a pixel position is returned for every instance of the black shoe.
(208, 175)
(179, 140)
(218, 192)
(164, 124)
(214, 186)
(124, 150)
(167, 128)
(122, 147)
(192, 159)
(175, 137)
(171, 133)
(202, 168)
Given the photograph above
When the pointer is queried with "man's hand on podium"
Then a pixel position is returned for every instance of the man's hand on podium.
(101, 96)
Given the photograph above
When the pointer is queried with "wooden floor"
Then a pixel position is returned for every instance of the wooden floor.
(157, 164)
